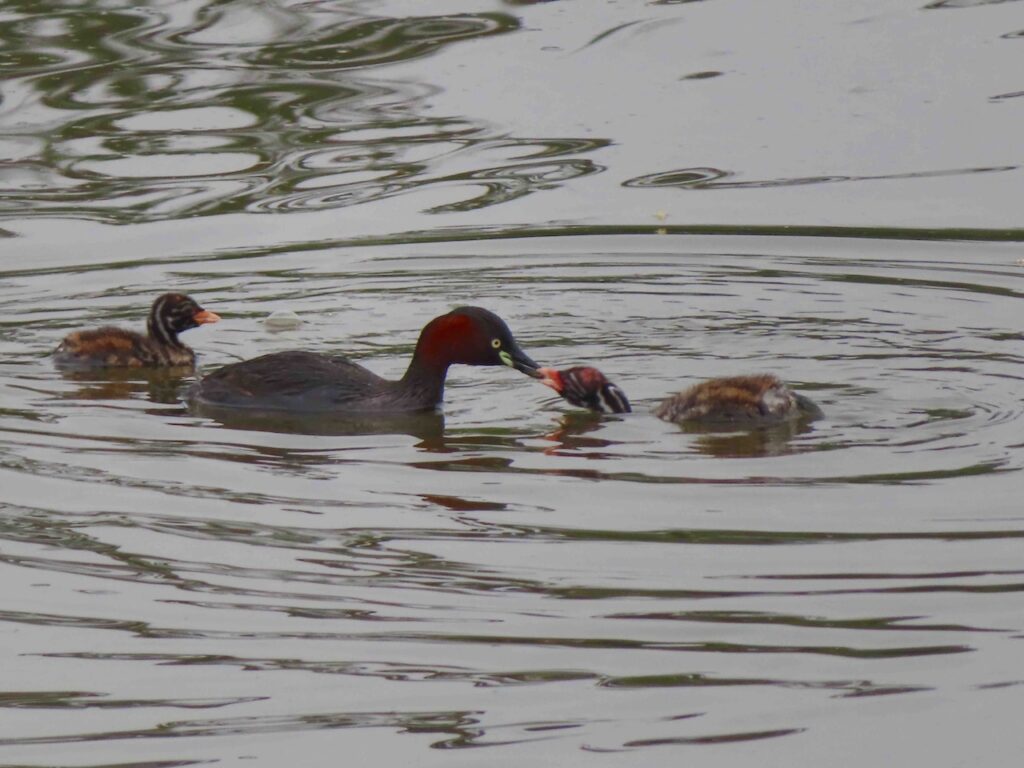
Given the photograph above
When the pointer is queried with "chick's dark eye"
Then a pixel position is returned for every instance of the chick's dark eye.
(496, 343)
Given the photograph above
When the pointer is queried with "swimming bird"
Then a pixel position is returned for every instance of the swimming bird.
(111, 347)
(731, 401)
(307, 382)
(587, 388)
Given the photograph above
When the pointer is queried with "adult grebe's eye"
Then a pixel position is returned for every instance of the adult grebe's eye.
(496, 343)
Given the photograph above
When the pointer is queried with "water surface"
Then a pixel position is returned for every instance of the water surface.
(669, 191)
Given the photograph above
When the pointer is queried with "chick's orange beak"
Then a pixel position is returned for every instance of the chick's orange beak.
(204, 316)
(552, 378)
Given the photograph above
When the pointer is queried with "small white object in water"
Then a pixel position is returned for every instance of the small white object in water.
(282, 320)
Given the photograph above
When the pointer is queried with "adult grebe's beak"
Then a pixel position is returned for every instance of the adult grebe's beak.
(514, 357)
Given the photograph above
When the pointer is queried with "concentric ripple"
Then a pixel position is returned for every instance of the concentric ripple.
(516, 574)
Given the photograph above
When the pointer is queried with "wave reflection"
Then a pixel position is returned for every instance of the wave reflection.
(156, 115)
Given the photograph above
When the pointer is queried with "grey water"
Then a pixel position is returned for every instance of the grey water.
(669, 191)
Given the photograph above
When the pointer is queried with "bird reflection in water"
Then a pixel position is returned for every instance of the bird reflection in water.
(765, 440)
(427, 426)
(158, 385)
(572, 435)
(576, 435)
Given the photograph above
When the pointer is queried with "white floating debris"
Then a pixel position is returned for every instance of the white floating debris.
(282, 320)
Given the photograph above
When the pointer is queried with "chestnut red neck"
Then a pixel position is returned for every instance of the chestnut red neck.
(442, 342)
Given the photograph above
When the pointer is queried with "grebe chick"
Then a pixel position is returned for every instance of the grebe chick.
(110, 347)
(587, 388)
(306, 382)
(744, 400)
(734, 400)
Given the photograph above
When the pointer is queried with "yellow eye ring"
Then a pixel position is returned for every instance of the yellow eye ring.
(496, 343)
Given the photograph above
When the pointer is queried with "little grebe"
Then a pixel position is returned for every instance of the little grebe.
(740, 400)
(298, 381)
(110, 347)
